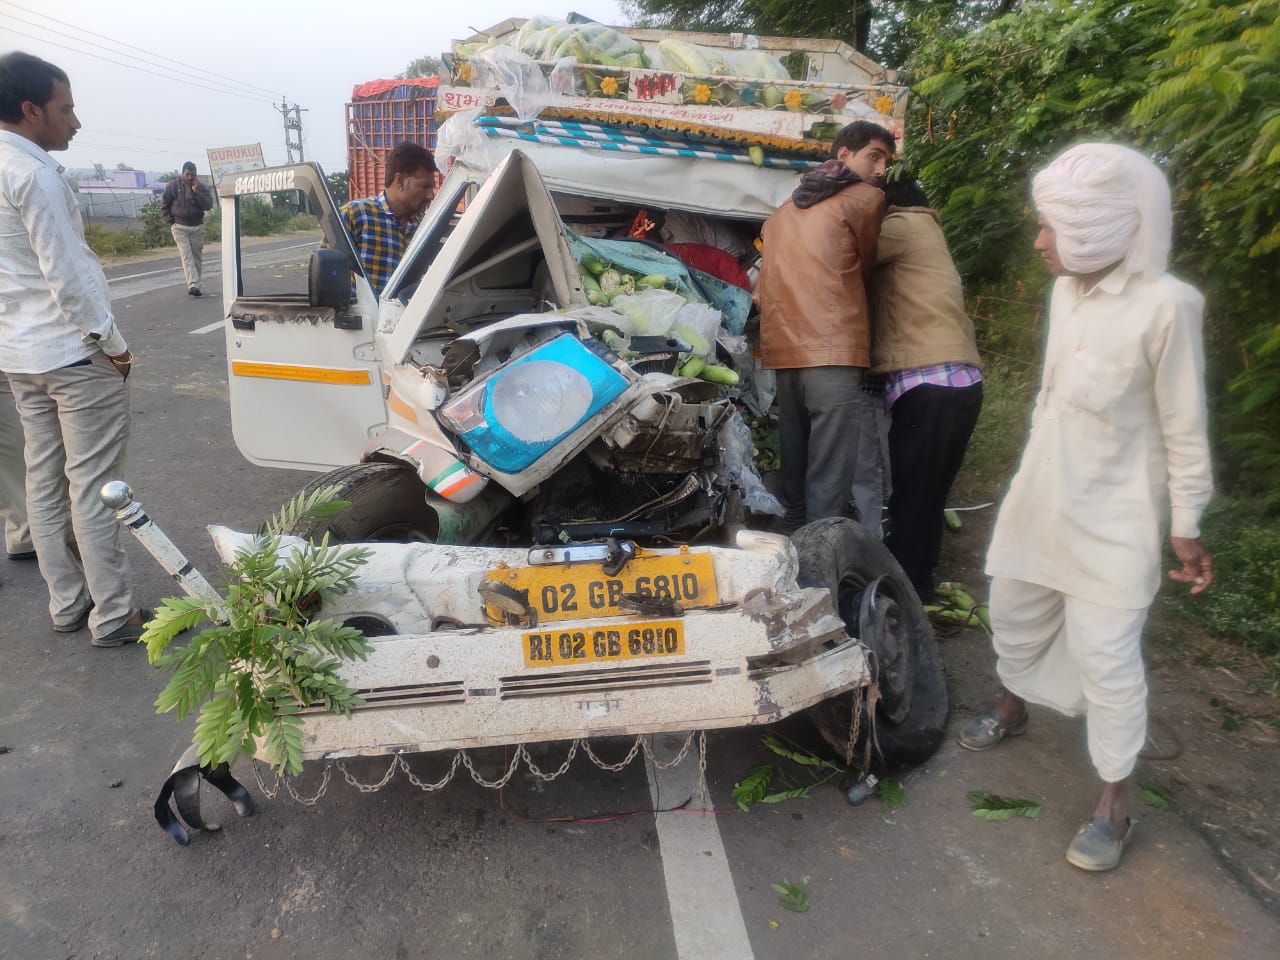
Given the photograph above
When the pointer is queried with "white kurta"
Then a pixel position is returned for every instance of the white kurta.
(1118, 446)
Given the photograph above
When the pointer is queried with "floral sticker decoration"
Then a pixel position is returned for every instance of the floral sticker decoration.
(839, 101)
(884, 104)
(609, 86)
(701, 93)
(793, 99)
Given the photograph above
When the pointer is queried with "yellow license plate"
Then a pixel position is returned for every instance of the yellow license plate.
(640, 641)
(581, 591)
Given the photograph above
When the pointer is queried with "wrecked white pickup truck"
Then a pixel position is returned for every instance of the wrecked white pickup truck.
(560, 509)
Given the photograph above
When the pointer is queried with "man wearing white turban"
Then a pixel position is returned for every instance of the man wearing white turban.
(1118, 453)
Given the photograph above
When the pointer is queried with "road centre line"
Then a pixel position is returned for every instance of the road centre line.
(207, 328)
(149, 273)
(706, 917)
(178, 266)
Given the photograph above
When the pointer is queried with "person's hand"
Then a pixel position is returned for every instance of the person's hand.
(122, 362)
(1197, 564)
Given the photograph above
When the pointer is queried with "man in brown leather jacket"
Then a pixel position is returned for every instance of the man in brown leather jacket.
(819, 251)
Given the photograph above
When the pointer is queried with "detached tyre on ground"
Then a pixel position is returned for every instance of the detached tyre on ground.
(875, 599)
(387, 503)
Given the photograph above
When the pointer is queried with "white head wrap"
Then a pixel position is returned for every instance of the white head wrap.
(1106, 204)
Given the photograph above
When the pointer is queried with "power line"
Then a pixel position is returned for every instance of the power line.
(133, 147)
(163, 76)
(143, 136)
(121, 43)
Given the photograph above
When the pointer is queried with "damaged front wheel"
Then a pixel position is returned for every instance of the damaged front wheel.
(875, 599)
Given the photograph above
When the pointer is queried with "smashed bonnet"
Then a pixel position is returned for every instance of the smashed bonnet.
(1106, 204)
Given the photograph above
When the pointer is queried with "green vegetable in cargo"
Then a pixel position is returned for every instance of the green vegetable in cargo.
(654, 281)
(593, 264)
(691, 338)
(693, 366)
(714, 373)
(610, 280)
(756, 152)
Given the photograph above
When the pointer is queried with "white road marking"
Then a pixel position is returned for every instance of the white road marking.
(149, 273)
(207, 328)
(706, 917)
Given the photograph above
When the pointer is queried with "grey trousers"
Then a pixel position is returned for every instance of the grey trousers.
(190, 241)
(13, 475)
(871, 467)
(76, 422)
(820, 417)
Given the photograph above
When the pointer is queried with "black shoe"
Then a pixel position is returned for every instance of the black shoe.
(195, 292)
(126, 633)
(24, 555)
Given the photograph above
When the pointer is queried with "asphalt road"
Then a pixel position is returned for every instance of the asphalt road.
(579, 867)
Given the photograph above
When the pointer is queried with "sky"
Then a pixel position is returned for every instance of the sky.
(159, 83)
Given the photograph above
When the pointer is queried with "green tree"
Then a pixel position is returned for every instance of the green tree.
(885, 30)
(989, 106)
(427, 66)
(1214, 111)
(338, 186)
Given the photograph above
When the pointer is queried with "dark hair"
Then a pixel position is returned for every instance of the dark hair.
(409, 158)
(188, 166)
(25, 78)
(858, 134)
(905, 192)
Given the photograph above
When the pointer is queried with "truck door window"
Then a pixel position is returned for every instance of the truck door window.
(274, 265)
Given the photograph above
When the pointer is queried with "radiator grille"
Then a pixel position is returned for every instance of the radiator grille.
(590, 681)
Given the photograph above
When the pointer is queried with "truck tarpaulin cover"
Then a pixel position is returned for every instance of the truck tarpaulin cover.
(398, 89)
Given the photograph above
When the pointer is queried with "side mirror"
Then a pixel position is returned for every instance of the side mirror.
(329, 279)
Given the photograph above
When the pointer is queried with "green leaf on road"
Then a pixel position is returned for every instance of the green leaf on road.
(796, 755)
(990, 806)
(1154, 796)
(793, 896)
(752, 788)
(891, 794)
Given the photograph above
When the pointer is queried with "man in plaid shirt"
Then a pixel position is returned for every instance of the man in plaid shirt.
(381, 226)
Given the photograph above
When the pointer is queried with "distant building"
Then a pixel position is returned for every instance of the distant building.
(122, 183)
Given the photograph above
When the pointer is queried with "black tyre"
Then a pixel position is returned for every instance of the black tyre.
(388, 502)
(911, 715)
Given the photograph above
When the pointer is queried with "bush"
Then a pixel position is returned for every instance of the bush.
(113, 243)
(304, 221)
(258, 218)
(213, 225)
(155, 232)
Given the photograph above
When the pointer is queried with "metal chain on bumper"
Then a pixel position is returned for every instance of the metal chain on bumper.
(461, 758)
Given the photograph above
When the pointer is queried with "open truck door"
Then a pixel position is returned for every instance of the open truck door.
(306, 387)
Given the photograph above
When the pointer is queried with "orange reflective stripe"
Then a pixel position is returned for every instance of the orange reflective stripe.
(289, 371)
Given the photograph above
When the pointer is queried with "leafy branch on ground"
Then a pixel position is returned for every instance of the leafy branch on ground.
(991, 806)
(767, 783)
(793, 896)
(250, 675)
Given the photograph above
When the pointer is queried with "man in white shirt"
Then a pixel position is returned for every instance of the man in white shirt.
(1118, 455)
(65, 360)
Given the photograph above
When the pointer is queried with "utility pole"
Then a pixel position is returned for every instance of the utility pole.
(292, 116)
